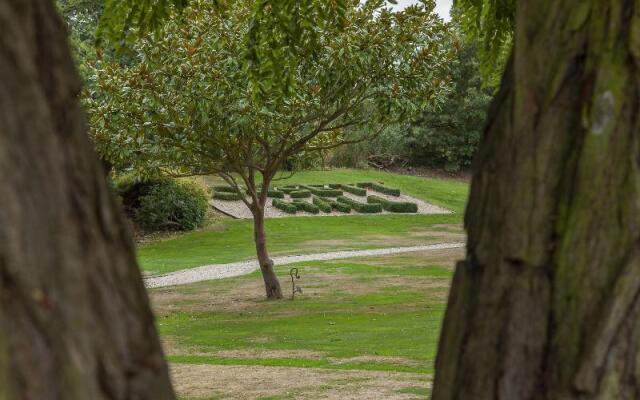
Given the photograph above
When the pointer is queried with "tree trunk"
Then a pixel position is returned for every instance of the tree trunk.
(271, 283)
(75, 322)
(547, 303)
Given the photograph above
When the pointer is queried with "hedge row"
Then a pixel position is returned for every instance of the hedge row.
(325, 206)
(300, 194)
(308, 207)
(393, 206)
(385, 190)
(336, 205)
(323, 192)
(366, 185)
(289, 208)
(227, 196)
(354, 190)
(274, 194)
(287, 189)
(361, 207)
(224, 188)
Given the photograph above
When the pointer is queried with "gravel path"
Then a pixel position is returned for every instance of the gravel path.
(220, 271)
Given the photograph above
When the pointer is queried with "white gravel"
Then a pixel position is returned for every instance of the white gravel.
(220, 271)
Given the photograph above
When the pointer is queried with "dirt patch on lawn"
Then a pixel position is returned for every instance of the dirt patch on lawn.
(251, 382)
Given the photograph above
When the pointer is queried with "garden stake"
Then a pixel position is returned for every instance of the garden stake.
(294, 288)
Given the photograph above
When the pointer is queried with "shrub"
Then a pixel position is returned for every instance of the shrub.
(336, 205)
(227, 196)
(361, 207)
(130, 189)
(385, 190)
(223, 188)
(364, 184)
(335, 185)
(354, 190)
(308, 207)
(273, 194)
(393, 206)
(172, 205)
(289, 208)
(323, 192)
(324, 206)
(300, 194)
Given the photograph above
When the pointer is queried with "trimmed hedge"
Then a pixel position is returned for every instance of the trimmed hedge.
(335, 185)
(336, 205)
(274, 194)
(364, 184)
(354, 190)
(308, 207)
(364, 208)
(227, 196)
(224, 188)
(324, 206)
(300, 194)
(323, 192)
(289, 208)
(385, 190)
(287, 189)
(393, 206)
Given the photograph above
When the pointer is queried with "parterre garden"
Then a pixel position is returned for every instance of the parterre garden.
(362, 328)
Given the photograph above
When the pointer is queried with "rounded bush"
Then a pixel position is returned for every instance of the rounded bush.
(172, 205)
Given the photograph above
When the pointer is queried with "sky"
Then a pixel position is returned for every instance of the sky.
(442, 7)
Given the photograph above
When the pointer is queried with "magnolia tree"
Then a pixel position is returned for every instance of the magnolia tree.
(187, 104)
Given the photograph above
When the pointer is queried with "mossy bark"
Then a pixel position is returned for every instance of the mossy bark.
(75, 321)
(547, 303)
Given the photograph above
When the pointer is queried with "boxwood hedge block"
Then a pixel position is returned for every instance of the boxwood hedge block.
(300, 194)
(335, 185)
(393, 206)
(323, 192)
(322, 205)
(272, 193)
(224, 188)
(289, 208)
(287, 189)
(354, 190)
(308, 207)
(385, 190)
(364, 184)
(368, 208)
(336, 205)
(227, 196)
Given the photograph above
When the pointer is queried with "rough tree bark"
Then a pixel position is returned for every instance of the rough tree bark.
(547, 303)
(75, 322)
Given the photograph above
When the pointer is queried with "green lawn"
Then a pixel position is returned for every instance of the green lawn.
(232, 240)
(361, 315)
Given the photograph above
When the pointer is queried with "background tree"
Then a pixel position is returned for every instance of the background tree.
(189, 107)
(547, 303)
(447, 135)
(75, 321)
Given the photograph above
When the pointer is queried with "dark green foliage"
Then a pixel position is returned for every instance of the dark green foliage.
(448, 136)
(354, 190)
(322, 192)
(289, 208)
(277, 194)
(335, 185)
(224, 188)
(308, 207)
(172, 206)
(361, 207)
(336, 205)
(324, 206)
(300, 194)
(393, 206)
(385, 190)
(227, 196)
(364, 184)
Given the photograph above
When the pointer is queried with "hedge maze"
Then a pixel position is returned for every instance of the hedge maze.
(329, 198)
